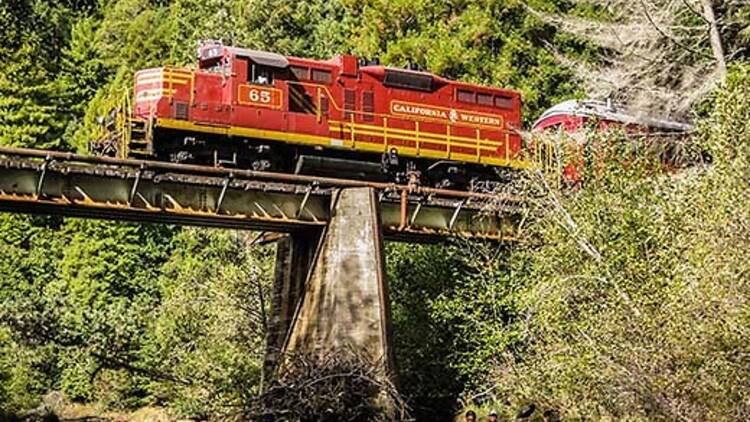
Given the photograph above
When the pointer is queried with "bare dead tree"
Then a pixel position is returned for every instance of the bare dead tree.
(715, 38)
(659, 56)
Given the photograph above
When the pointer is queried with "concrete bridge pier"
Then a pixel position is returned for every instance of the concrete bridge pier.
(294, 253)
(343, 301)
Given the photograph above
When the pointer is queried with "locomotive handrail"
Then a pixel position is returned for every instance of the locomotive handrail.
(422, 135)
(126, 124)
(387, 132)
(407, 118)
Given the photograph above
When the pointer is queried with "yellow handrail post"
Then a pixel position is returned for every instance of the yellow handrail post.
(165, 74)
(416, 126)
(125, 125)
(479, 149)
(550, 151)
(538, 154)
(318, 112)
(507, 148)
(559, 165)
(385, 134)
(192, 88)
(448, 140)
(351, 125)
(150, 135)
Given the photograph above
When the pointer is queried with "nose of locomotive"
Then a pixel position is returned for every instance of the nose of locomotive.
(153, 85)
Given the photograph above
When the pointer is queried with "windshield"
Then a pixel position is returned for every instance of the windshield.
(215, 64)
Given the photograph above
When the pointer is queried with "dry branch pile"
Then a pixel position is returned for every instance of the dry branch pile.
(334, 386)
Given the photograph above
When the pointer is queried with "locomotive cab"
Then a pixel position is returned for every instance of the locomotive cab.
(210, 57)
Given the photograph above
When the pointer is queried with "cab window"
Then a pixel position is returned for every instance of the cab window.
(258, 74)
(215, 64)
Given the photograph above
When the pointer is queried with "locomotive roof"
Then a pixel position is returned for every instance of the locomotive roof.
(379, 71)
(267, 58)
(604, 110)
(264, 58)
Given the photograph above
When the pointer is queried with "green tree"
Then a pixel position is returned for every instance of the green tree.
(208, 331)
(29, 98)
(33, 106)
(638, 308)
(28, 261)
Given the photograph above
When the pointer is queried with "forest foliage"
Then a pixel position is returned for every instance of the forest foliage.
(652, 326)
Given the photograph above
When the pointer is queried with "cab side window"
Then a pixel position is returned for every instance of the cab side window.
(262, 75)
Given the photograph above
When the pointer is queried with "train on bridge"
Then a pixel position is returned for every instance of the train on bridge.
(343, 117)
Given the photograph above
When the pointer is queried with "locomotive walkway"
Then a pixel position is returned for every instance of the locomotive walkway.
(330, 291)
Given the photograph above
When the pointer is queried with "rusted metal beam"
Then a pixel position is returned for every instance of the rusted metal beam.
(49, 182)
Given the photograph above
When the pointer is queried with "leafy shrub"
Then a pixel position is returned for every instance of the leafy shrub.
(637, 289)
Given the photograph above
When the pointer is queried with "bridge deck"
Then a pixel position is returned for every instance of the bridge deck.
(49, 182)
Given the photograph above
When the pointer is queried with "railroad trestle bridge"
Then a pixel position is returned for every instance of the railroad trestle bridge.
(51, 182)
(329, 290)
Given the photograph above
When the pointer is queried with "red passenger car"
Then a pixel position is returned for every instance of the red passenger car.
(341, 117)
(574, 115)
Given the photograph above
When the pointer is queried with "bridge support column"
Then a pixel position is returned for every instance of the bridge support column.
(294, 253)
(345, 303)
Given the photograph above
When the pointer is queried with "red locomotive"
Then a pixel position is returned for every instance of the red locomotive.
(343, 117)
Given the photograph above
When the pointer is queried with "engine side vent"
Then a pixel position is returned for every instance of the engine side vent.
(350, 97)
(368, 106)
(180, 110)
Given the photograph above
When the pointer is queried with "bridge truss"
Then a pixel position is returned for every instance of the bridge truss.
(50, 182)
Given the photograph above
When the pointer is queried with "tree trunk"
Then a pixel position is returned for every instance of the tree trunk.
(715, 37)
